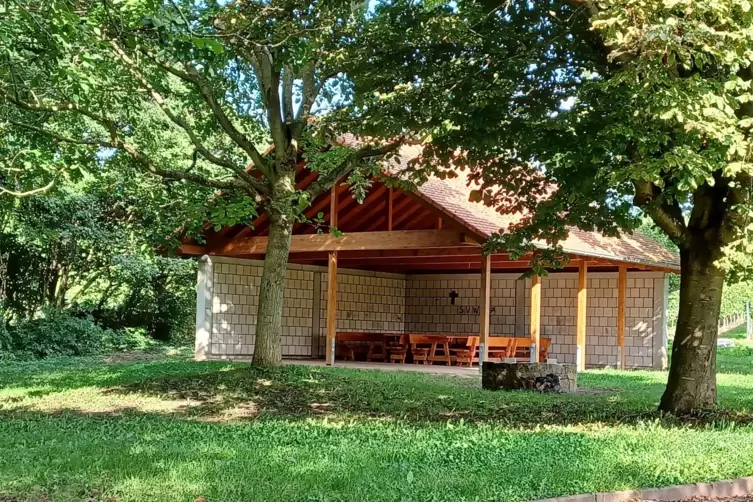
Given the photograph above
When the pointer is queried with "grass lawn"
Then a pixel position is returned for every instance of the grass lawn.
(738, 333)
(170, 429)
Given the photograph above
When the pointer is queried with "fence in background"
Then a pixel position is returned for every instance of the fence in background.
(730, 322)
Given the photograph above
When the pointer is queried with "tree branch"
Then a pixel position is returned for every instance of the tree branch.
(240, 171)
(734, 220)
(192, 76)
(60, 137)
(287, 94)
(667, 216)
(29, 193)
(178, 175)
(324, 183)
(310, 91)
(118, 144)
(65, 106)
(269, 82)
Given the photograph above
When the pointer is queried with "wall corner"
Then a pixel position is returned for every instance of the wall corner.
(204, 286)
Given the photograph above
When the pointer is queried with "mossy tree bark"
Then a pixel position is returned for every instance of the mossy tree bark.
(268, 349)
(692, 375)
(711, 225)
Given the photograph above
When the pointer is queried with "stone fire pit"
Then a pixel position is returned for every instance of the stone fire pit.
(544, 377)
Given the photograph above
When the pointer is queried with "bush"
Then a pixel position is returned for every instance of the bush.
(158, 296)
(59, 334)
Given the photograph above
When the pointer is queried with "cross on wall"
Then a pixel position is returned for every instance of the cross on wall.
(453, 294)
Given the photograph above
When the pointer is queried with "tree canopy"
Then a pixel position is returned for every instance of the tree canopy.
(223, 96)
(579, 113)
(576, 113)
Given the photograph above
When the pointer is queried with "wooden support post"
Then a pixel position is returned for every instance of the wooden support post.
(333, 207)
(316, 329)
(621, 295)
(486, 289)
(389, 211)
(439, 223)
(331, 307)
(535, 317)
(582, 319)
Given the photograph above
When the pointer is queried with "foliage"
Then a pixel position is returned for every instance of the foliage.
(590, 114)
(194, 93)
(188, 92)
(609, 96)
(738, 333)
(59, 334)
(338, 434)
(733, 300)
(154, 293)
(87, 248)
(734, 296)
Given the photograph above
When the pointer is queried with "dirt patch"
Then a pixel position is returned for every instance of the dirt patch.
(133, 357)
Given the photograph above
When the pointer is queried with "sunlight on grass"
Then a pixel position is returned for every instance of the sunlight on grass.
(175, 430)
(739, 333)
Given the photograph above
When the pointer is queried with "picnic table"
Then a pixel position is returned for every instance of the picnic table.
(428, 349)
(377, 344)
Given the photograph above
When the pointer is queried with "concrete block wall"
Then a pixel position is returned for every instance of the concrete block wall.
(429, 307)
(367, 301)
(235, 301)
(371, 302)
(227, 301)
(645, 331)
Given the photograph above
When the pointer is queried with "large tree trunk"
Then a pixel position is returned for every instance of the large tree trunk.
(271, 293)
(692, 372)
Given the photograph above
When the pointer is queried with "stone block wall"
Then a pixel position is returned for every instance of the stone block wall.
(376, 302)
(370, 302)
(644, 317)
(430, 309)
(450, 304)
(235, 301)
(367, 301)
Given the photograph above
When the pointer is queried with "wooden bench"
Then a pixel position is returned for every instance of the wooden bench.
(467, 354)
(348, 342)
(501, 347)
(429, 349)
(523, 351)
(397, 348)
(424, 348)
(420, 348)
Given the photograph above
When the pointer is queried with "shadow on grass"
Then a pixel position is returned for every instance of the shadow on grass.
(240, 392)
(223, 392)
(40, 378)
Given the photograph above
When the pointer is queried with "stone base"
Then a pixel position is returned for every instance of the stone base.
(544, 377)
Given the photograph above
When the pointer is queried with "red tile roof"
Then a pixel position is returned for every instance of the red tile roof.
(452, 195)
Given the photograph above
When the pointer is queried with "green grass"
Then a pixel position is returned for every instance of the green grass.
(737, 333)
(169, 429)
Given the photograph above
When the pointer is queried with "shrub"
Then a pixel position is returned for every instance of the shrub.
(59, 334)
(133, 339)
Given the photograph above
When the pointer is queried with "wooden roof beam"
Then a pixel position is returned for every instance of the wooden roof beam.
(354, 214)
(358, 241)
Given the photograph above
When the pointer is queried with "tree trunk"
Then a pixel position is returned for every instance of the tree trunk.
(692, 372)
(271, 293)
